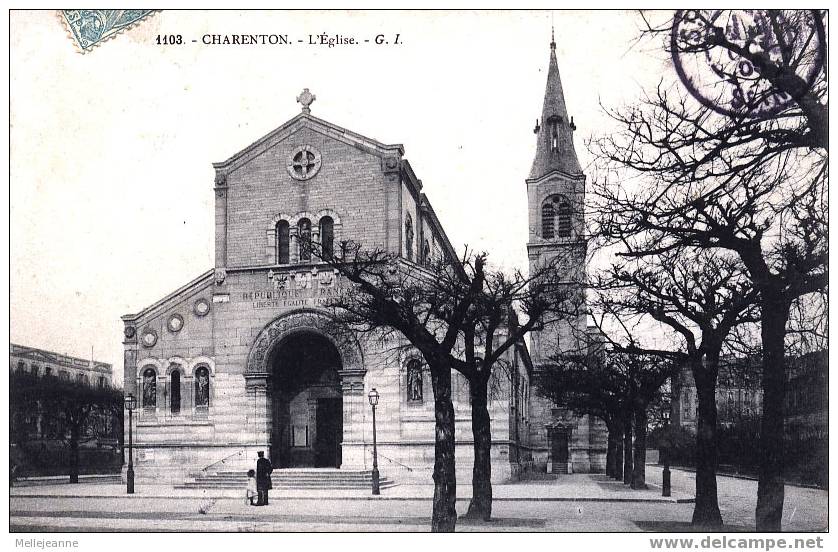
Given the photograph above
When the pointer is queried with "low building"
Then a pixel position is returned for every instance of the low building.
(43, 363)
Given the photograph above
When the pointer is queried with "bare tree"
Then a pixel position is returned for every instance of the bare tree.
(701, 296)
(754, 185)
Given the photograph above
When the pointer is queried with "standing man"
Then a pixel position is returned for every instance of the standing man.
(263, 479)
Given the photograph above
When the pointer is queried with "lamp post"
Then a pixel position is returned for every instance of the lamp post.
(130, 404)
(667, 475)
(373, 396)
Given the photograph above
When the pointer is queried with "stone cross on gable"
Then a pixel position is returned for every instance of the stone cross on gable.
(306, 98)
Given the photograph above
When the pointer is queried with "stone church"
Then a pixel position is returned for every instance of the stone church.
(245, 358)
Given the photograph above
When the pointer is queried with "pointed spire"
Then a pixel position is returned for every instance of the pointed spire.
(554, 150)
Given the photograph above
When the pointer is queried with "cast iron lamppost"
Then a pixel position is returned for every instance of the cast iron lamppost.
(373, 396)
(130, 404)
(667, 482)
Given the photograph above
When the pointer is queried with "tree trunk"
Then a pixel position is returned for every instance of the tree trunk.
(706, 512)
(638, 476)
(480, 506)
(627, 457)
(444, 517)
(770, 491)
(74, 454)
(611, 451)
(618, 452)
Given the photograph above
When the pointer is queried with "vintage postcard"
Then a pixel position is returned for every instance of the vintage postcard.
(411, 271)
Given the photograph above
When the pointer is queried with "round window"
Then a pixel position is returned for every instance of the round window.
(304, 163)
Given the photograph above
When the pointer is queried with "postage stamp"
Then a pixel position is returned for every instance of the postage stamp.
(89, 28)
(751, 63)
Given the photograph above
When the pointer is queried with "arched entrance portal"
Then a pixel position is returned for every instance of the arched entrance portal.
(307, 403)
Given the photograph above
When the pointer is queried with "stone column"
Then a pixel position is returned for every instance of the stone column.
(293, 245)
(258, 386)
(354, 405)
(220, 220)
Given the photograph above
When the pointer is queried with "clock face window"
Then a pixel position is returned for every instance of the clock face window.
(304, 163)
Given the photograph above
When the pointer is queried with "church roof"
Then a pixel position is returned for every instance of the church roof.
(548, 158)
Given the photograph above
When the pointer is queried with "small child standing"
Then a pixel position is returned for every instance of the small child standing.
(251, 487)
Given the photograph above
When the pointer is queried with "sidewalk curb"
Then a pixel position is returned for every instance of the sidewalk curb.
(746, 477)
(380, 497)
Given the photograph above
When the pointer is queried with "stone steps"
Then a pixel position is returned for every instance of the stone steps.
(300, 478)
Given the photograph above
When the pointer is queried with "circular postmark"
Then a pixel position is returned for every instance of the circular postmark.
(748, 63)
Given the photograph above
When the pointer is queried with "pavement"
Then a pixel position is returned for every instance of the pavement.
(580, 502)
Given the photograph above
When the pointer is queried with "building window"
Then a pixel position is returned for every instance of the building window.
(102, 382)
(563, 216)
(327, 236)
(149, 388)
(174, 398)
(426, 253)
(283, 241)
(414, 380)
(304, 232)
(202, 389)
(547, 221)
(408, 236)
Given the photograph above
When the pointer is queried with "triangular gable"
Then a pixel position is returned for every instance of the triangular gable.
(301, 121)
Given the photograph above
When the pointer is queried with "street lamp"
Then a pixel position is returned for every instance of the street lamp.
(130, 404)
(667, 475)
(373, 396)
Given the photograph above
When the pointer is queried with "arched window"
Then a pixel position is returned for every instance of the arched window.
(174, 396)
(408, 236)
(563, 216)
(547, 221)
(149, 388)
(426, 253)
(327, 236)
(304, 232)
(202, 389)
(283, 241)
(414, 380)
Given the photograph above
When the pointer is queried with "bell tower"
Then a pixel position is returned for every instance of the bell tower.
(556, 193)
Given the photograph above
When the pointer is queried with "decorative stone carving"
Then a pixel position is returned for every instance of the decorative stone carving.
(201, 307)
(305, 99)
(343, 339)
(149, 337)
(130, 331)
(304, 163)
(220, 179)
(175, 323)
(220, 276)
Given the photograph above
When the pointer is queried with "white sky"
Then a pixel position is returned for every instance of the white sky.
(111, 151)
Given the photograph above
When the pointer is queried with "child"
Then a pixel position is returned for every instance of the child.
(251, 487)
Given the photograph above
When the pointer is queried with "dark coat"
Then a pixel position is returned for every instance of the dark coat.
(263, 474)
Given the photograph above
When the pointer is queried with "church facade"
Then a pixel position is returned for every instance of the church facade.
(246, 358)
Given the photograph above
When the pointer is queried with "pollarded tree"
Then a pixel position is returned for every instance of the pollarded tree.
(460, 315)
(701, 296)
(749, 176)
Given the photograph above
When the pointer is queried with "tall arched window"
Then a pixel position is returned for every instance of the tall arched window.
(327, 236)
(304, 232)
(547, 221)
(149, 388)
(202, 389)
(563, 218)
(174, 394)
(408, 236)
(283, 241)
(426, 253)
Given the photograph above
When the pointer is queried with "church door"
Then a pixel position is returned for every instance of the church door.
(560, 451)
